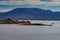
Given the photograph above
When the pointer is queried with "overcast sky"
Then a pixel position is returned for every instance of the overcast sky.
(7, 5)
(37, 2)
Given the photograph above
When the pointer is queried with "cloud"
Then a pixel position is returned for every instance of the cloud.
(5, 10)
(56, 0)
(47, 0)
(36, 2)
(11, 0)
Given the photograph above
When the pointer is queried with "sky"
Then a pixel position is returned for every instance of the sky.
(7, 5)
(37, 2)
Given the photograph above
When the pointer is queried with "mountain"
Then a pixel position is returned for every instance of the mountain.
(31, 14)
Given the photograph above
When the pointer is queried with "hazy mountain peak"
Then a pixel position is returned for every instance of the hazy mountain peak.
(31, 13)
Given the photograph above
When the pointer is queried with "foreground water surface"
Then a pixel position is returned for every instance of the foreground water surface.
(24, 32)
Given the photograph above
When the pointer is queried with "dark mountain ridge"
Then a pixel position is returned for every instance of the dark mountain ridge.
(31, 14)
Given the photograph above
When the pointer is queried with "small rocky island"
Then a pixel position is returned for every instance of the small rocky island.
(14, 21)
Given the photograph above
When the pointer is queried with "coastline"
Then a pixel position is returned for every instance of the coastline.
(23, 22)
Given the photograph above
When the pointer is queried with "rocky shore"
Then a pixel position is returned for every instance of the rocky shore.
(14, 21)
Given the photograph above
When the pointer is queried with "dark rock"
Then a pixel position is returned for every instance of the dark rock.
(14, 21)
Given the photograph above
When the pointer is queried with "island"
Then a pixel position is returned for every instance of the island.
(22, 22)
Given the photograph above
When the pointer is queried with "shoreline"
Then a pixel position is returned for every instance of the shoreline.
(23, 22)
(39, 20)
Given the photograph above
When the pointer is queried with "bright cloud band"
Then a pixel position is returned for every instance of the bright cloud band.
(37, 2)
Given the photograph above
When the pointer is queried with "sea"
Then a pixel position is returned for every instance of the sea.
(30, 32)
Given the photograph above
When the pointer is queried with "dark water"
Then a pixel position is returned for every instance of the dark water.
(23, 32)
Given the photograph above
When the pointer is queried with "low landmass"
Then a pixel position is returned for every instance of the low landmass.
(14, 21)
(30, 14)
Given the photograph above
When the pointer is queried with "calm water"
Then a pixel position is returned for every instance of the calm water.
(23, 32)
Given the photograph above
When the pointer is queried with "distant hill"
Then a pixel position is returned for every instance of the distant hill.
(31, 14)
